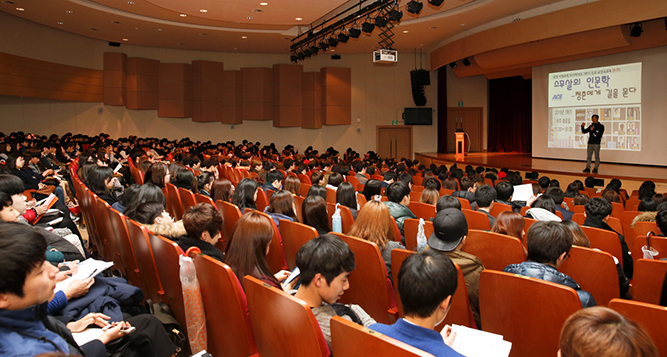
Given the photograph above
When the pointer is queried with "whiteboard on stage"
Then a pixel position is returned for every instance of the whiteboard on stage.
(626, 90)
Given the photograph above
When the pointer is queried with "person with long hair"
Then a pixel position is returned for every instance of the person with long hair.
(429, 196)
(600, 331)
(157, 174)
(314, 213)
(202, 183)
(183, 179)
(511, 224)
(374, 224)
(101, 182)
(222, 190)
(371, 188)
(147, 193)
(245, 194)
(346, 195)
(247, 250)
(316, 190)
(292, 184)
(281, 206)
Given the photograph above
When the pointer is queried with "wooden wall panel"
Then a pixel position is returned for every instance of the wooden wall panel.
(232, 103)
(115, 86)
(336, 95)
(175, 86)
(312, 100)
(207, 83)
(257, 93)
(142, 83)
(287, 95)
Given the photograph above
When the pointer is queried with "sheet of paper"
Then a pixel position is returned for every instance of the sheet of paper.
(87, 269)
(475, 343)
(87, 335)
(522, 192)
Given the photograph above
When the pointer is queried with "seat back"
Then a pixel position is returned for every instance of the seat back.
(411, 228)
(496, 251)
(579, 209)
(175, 199)
(647, 280)
(595, 271)
(187, 199)
(350, 339)
(361, 200)
(89, 206)
(422, 210)
(605, 240)
(199, 198)
(397, 232)
(615, 224)
(578, 218)
(276, 256)
(626, 220)
(370, 287)
(632, 204)
(119, 225)
(331, 195)
(353, 180)
(465, 204)
(169, 272)
(500, 207)
(651, 317)
(657, 243)
(459, 312)
(569, 201)
(145, 261)
(262, 200)
(476, 220)
(105, 232)
(346, 218)
(137, 175)
(298, 205)
(303, 190)
(165, 192)
(304, 179)
(230, 214)
(294, 236)
(642, 228)
(227, 319)
(283, 325)
(517, 306)
(617, 209)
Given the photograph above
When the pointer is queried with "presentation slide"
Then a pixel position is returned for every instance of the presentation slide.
(612, 92)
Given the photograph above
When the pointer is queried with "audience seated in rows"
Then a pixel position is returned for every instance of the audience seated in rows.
(598, 212)
(398, 194)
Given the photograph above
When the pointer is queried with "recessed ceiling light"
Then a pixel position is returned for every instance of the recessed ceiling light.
(234, 47)
(298, 19)
(136, 28)
(249, 17)
(332, 50)
(406, 31)
(203, 34)
(125, 39)
(244, 36)
(263, 3)
(130, 2)
(20, 9)
(184, 15)
(69, 11)
(203, 10)
(159, 29)
(256, 11)
(421, 44)
(60, 22)
(463, 24)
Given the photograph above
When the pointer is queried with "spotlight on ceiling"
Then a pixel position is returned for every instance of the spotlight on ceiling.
(333, 42)
(395, 15)
(300, 56)
(342, 37)
(367, 26)
(466, 62)
(307, 53)
(324, 44)
(436, 2)
(314, 49)
(381, 21)
(294, 58)
(355, 32)
(636, 29)
(453, 65)
(414, 7)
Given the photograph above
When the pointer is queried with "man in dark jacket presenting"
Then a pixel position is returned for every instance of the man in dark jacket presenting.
(595, 131)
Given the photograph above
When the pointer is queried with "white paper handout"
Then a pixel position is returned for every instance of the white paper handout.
(87, 269)
(476, 343)
(522, 192)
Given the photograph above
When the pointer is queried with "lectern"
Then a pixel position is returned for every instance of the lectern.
(460, 144)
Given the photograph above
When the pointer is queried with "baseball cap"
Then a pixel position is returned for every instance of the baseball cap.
(449, 228)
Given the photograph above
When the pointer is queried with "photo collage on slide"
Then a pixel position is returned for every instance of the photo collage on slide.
(622, 127)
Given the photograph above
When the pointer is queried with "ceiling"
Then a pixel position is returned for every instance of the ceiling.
(259, 26)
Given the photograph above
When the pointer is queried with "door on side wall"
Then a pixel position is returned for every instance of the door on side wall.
(394, 141)
(472, 125)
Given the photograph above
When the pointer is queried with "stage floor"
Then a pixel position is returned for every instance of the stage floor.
(526, 163)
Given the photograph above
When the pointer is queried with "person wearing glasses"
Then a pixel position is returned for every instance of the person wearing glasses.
(549, 244)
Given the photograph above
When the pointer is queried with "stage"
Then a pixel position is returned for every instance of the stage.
(565, 171)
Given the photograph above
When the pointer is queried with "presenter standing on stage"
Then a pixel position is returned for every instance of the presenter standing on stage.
(595, 131)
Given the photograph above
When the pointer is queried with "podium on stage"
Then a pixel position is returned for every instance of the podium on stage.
(460, 144)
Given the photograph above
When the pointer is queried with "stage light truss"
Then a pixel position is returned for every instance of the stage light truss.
(346, 24)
